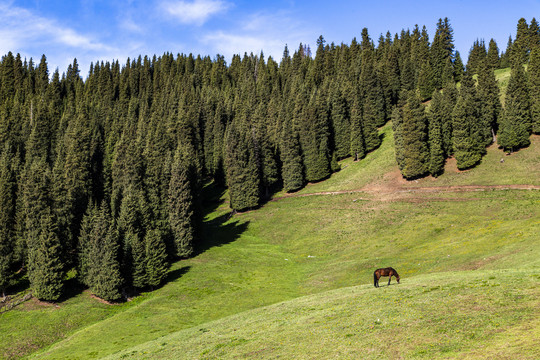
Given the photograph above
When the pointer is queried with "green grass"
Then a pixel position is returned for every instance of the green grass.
(294, 278)
(441, 315)
(303, 246)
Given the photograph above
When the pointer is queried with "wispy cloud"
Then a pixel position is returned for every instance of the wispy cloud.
(267, 32)
(22, 28)
(195, 12)
(22, 31)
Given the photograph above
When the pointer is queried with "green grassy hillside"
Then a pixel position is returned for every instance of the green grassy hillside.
(442, 315)
(294, 278)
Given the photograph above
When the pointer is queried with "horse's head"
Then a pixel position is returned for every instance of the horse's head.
(397, 278)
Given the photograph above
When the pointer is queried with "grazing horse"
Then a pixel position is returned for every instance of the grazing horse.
(384, 272)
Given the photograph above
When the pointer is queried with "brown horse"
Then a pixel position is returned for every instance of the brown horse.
(384, 272)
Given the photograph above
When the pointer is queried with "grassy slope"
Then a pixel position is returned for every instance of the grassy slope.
(301, 246)
(449, 315)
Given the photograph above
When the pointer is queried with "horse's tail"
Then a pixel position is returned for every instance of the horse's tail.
(375, 278)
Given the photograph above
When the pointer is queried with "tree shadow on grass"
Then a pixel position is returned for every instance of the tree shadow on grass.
(176, 274)
(220, 231)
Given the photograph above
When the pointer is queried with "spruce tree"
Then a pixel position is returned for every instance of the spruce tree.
(521, 46)
(458, 67)
(425, 81)
(358, 147)
(98, 254)
(340, 122)
(488, 93)
(181, 207)
(534, 88)
(477, 55)
(467, 130)
(7, 217)
(45, 269)
(241, 167)
(412, 135)
(449, 99)
(435, 134)
(441, 51)
(492, 58)
(139, 278)
(156, 258)
(516, 125)
(291, 157)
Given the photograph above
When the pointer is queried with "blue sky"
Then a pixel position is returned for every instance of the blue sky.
(93, 30)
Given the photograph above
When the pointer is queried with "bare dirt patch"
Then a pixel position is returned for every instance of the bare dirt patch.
(36, 304)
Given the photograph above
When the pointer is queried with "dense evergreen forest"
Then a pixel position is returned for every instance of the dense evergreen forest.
(103, 177)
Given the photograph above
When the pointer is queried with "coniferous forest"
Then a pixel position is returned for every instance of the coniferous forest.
(103, 177)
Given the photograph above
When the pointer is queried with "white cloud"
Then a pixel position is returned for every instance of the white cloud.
(261, 32)
(20, 29)
(195, 12)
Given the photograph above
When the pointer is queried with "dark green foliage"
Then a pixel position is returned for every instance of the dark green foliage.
(441, 51)
(492, 58)
(241, 167)
(358, 147)
(314, 130)
(490, 104)
(45, 267)
(435, 134)
(341, 126)
(291, 158)
(449, 100)
(521, 46)
(425, 82)
(459, 69)
(7, 217)
(467, 131)
(372, 94)
(181, 208)
(515, 125)
(99, 268)
(534, 88)
(477, 56)
(139, 278)
(534, 35)
(507, 55)
(411, 138)
(156, 258)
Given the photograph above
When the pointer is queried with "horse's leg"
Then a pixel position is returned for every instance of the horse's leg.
(389, 279)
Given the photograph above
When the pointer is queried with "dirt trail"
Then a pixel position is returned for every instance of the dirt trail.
(393, 187)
